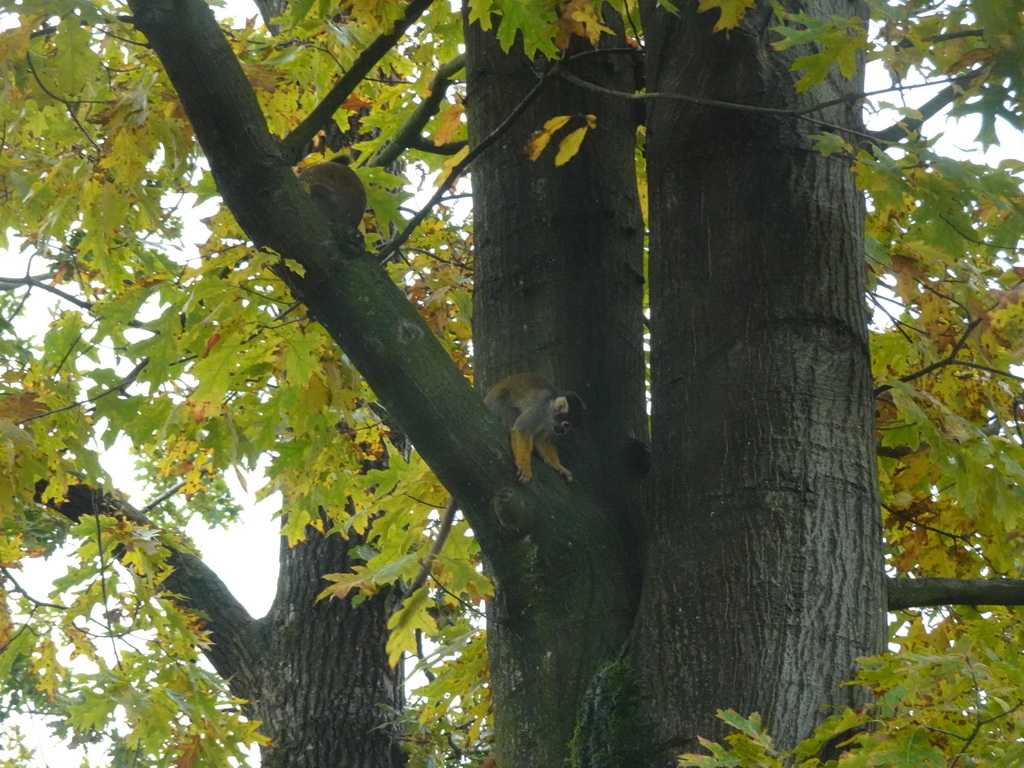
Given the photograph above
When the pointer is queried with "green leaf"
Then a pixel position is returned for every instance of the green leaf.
(731, 11)
(404, 623)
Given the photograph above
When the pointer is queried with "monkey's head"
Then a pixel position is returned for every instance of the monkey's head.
(567, 412)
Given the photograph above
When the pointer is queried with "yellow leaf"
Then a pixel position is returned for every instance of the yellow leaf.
(570, 145)
(354, 103)
(540, 139)
(452, 161)
(582, 18)
(450, 122)
(917, 467)
(346, 582)
(47, 669)
(19, 406)
(261, 77)
(295, 267)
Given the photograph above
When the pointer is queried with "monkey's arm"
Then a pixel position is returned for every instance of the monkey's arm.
(547, 451)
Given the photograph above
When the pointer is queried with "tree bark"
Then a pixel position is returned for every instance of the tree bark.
(559, 291)
(327, 694)
(765, 576)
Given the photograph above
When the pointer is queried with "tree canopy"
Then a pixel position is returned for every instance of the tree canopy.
(169, 293)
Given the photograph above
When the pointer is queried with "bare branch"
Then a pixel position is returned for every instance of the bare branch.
(929, 109)
(163, 497)
(800, 114)
(934, 592)
(316, 120)
(72, 106)
(119, 387)
(24, 593)
(890, 135)
(950, 359)
(426, 145)
(395, 243)
(979, 241)
(409, 133)
(32, 282)
(435, 548)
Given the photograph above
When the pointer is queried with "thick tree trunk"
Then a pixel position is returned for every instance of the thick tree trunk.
(559, 291)
(327, 695)
(765, 578)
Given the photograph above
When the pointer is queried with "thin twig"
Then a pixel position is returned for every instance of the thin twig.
(103, 590)
(705, 102)
(163, 497)
(950, 359)
(31, 282)
(131, 377)
(24, 593)
(978, 241)
(71, 106)
(897, 323)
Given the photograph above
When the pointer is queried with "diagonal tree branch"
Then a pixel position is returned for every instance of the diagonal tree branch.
(949, 359)
(118, 387)
(11, 283)
(459, 168)
(409, 133)
(900, 130)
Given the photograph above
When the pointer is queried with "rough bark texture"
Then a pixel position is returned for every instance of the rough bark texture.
(327, 694)
(558, 291)
(764, 577)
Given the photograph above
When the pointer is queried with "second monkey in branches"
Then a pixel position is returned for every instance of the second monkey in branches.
(336, 189)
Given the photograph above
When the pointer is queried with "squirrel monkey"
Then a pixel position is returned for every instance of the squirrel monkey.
(537, 413)
(336, 190)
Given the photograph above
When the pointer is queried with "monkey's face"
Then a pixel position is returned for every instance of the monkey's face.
(568, 413)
